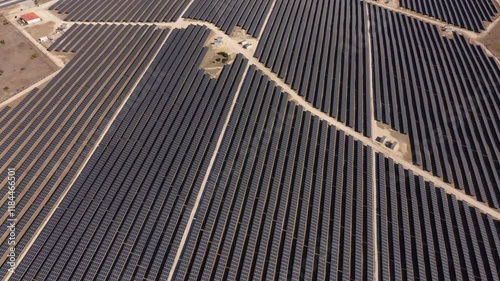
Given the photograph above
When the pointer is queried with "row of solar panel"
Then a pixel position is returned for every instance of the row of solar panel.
(126, 213)
(250, 15)
(3, 112)
(227, 14)
(48, 135)
(291, 197)
(6, 114)
(58, 107)
(76, 33)
(32, 170)
(318, 47)
(465, 14)
(121, 11)
(443, 93)
(426, 234)
(288, 197)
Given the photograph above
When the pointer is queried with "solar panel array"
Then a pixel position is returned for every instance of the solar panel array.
(7, 113)
(443, 93)
(125, 215)
(288, 197)
(76, 37)
(318, 47)
(426, 234)
(121, 10)
(466, 14)
(227, 14)
(48, 135)
(3, 111)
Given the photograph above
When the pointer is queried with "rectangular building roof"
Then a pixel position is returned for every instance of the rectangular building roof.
(30, 16)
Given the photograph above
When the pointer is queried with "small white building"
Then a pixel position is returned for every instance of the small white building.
(217, 43)
(244, 42)
(30, 18)
(43, 39)
(247, 46)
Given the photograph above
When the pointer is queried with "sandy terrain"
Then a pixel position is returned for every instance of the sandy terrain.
(491, 39)
(48, 20)
(239, 34)
(213, 62)
(22, 63)
(403, 147)
(17, 98)
(39, 30)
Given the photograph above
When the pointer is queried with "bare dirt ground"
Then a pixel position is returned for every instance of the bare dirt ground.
(491, 39)
(239, 34)
(39, 30)
(403, 147)
(22, 63)
(47, 16)
(58, 15)
(16, 99)
(391, 3)
(215, 58)
(445, 32)
(63, 56)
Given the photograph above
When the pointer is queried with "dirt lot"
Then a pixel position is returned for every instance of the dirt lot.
(492, 40)
(39, 30)
(404, 145)
(216, 57)
(22, 64)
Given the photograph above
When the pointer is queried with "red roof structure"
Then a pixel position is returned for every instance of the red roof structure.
(29, 17)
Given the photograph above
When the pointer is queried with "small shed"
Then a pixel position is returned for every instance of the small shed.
(30, 18)
(217, 43)
(391, 144)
